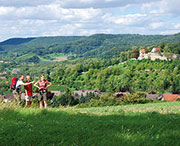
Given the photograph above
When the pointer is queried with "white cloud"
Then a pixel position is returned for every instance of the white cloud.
(177, 26)
(49, 12)
(163, 7)
(166, 32)
(6, 10)
(157, 25)
(128, 20)
(21, 18)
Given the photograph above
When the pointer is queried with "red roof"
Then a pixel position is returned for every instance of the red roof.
(143, 50)
(171, 97)
(158, 49)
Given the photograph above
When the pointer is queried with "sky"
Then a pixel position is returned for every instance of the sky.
(33, 18)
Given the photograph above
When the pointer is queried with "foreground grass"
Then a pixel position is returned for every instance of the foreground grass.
(148, 124)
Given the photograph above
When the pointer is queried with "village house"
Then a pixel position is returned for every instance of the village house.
(58, 93)
(166, 97)
(5, 62)
(154, 96)
(15, 70)
(170, 97)
(35, 77)
(84, 92)
(31, 63)
(2, 78)
(119, 94)
(5, 73)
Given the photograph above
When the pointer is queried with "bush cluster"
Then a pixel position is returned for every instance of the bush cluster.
(109, 100)
(93, 100)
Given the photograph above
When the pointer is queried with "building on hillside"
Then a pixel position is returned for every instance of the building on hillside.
(2, 78)
(170, 97)
(5, 73)
(143, 51)
(153, 55)
(6, 62)
(155, 50)
(175, 56)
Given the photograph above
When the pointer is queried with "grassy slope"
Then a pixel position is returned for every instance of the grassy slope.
(149, 124)
(52, 56)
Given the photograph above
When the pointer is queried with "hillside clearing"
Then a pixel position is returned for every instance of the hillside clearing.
(57, 59)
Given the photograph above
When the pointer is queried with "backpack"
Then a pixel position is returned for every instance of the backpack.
(13, 83)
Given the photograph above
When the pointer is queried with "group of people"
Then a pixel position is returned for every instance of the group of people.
(41, 84)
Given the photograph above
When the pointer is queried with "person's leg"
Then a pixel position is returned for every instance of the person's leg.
(41, 104)
(40, 100)
(27, 100)
(30, 101)
(45, 103)
(26, 103)
(45, 99)
(17, 97)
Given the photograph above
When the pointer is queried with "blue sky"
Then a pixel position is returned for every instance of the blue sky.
(32, 18)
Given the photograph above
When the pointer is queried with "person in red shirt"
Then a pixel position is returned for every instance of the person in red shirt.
(43, 85)
(28, 92)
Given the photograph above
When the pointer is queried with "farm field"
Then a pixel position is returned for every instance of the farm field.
(140, 124)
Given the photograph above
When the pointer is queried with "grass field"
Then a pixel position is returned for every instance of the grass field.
(53, 56)
(147, 124)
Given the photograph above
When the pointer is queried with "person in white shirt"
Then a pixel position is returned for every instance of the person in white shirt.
(17, 91)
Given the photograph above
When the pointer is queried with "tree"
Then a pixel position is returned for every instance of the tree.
(135, 53)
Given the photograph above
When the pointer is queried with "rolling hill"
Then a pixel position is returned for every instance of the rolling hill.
(98, 45)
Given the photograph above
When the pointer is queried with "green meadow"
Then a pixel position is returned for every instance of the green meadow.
(140, 124)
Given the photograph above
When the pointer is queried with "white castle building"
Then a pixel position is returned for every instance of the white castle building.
(153, 55)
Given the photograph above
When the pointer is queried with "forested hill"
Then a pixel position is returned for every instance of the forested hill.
(98, 45)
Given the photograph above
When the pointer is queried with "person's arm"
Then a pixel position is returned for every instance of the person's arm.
(28, 83)
(26, 92)
(49, 84)
(37, 85)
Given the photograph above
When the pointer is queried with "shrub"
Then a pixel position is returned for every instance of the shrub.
(140, 95)
(109, 100)
(64, 100)
(88, 97)
(35, 102)
(178, 99)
